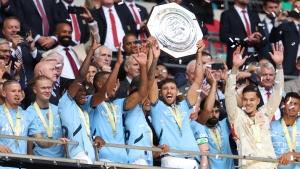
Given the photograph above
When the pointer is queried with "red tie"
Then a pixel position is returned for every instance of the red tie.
(269, 94)
(137, 20)
(44, 18)
(247, 23)
(72, 62)
(75, 28)
(114, 28)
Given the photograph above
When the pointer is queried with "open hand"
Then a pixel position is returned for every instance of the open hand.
(120, 56)
(94, 45)
(201, 46)
(277, 55)
(141, 58)
(237, 59)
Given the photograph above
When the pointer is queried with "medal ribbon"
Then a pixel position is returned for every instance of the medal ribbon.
(112, 118)
(85, 118)
(49, 128)
(255, 129)
(16, 131)
(291, 144)
(151, 135)
(177, 117)
(216, 136)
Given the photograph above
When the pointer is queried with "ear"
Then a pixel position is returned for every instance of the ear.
(264, 8)
(40, 73)
(34, 90)
(99, 85)
(298, 66)
(186, 75)
(125, 68)
(4, 93)
(56, 35)
(258, 100)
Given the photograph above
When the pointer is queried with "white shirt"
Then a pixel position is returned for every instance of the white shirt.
(264, 96)
(128, 79)
(109, 40)
(269, 24)
(73, 32)
(67, 71)
(135, 8)
(13, 52)
(298, 51)
(241, 14)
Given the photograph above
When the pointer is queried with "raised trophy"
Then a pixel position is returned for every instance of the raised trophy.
(176, 30)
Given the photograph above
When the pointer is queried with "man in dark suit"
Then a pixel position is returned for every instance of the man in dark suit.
(271, 7)
(81, 31)
(40, 17)
(7, 8)
(139, 14)
(240, 26)
(289, 34)
(28, 56)
(114, 23)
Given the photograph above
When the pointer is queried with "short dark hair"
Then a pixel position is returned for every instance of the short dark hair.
(217, 104)
(291, 94)
(94, 65)
(7, 76)
(205, 54)
(66, 84)
(98, 76)
(251, 88)
(273, 1)
(9, 82)
(168, 80)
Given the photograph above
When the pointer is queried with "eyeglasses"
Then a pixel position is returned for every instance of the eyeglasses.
(162, 71)
(6, 51)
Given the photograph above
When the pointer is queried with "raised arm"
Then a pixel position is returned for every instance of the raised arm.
(155, 50)
(79, 78)
(191, 94)
(275, 99)
(209, 103)
(230, 100)
(136, 97)
(110, 82)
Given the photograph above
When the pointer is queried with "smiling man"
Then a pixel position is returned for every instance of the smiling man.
(250, 125)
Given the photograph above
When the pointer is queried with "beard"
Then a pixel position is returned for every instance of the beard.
(212, 121)
(65, 43)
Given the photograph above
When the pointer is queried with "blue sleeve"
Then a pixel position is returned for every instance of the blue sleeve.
(34, 126)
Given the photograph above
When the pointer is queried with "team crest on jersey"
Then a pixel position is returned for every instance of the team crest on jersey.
(57, 116)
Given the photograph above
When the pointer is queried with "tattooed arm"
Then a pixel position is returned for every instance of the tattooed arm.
(47, 144)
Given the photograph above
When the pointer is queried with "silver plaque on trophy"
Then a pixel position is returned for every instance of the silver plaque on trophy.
(176, 30)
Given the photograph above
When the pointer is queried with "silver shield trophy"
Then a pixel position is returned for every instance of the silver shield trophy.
(176, 30)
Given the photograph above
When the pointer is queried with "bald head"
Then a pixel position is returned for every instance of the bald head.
(64, 34)
(46, 68)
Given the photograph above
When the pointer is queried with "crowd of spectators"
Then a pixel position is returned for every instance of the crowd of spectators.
(98, 77)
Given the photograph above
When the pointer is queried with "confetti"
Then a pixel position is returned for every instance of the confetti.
(291, 107)
(139, 9)
(293, 43)
(266, 12)
(208, 65)
(232, 46)
(282, 107)
(276, 81)
(280, 32)
(199, 91)
(261, 24)
(229, 71)
(246, 67)
(207, 1)
(230, 39)
(290, 99)
(208, 37)
(253, 3)
(221, 104)
(243, 108)
(292, 158)
(222, 5)
(274, 15)
(204, 164)
(191, 4)
(217, 156)
(236, 38)
(298, 113)
(255, 54)
(202, 26)
(264, 38)
(180, 61)
(264, 27)
(120, 3)
(296, 10)
(246, 39)
(69, 20)
(243, 67)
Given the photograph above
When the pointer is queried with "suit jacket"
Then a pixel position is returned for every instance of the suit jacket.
(231, 26)
(81, 50)
(124, 85)
(127, 21)
(204, 13)
(289, 35)
(29, 63)
(292, 86)
(11, 11)
(30, 19)
(82, 23)
(143, 14)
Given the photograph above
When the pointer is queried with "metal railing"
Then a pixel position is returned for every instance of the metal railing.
(55, 160)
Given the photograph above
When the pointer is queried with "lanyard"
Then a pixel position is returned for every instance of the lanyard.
(112, 117)
(16, 131)
(177, 117)
(291, 144)
(150, 134)
(216, 136)
(85, 118)
(256, 131)
(49, 128)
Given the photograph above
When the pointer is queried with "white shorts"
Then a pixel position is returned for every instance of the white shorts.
(140, 161)
(176, 162)
(83, 156)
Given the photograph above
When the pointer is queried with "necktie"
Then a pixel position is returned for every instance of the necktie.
(19, 56)
(247, 23)
(72, 62)
(273, 22)
(137, 20)
(299, 31)
(114, 28)
(269, 94)
(75, 27)
(44, 18)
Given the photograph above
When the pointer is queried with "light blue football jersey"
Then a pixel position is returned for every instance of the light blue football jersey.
(138, 133)
(73, 126)
(54, 151)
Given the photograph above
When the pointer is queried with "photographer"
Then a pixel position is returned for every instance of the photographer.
(288, 33)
